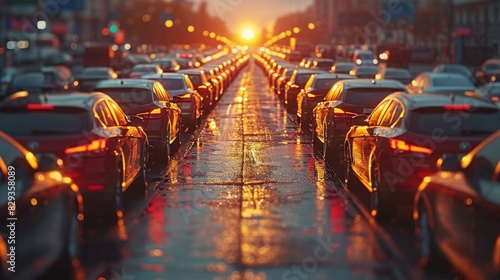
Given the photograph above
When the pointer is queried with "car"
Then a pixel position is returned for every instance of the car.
(364, 57)
(398, 145)
(150, 101)
(183, 93)
(282, 79)
(103, 151)
(167, 64)
(456, 213)
(489, 71)
(342, 67)
(491, 91)
(59, 59)
(455, 68)
(46, 79)
(41, 215)
(143, 69)
(365, 71)
(444, 83)
(90, 76)
(324, 64)
(333, 116)
(202, 85)
(399, 74)
(394, 54)
(313, 92)
(292, 88)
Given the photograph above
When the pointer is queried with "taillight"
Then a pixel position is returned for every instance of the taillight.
(154, 114)
(135, 76)
(400, 146)
(95, 146)
(462, 107)
(40, 106)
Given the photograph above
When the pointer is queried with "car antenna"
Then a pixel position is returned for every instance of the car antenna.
(45, 97)
(121, 82)
(452, 96)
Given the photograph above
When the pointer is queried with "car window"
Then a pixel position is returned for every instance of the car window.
(333, 93)
(392, 114)
(310, 82)
(374, 118)
(188, 83)
(117, 111)
(104, 115)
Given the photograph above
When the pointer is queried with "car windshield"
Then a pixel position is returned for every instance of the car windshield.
(128, 95)
(426, 120)
(368, 97)
(40, 123)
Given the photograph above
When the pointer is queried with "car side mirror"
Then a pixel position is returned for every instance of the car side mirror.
(449, 162)
(359, 120)
(135, 120)
(49, 162)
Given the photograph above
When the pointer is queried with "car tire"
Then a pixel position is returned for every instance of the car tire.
(110, 215)
(140, 182)
(381, 209)
(430, 256)
(326, 152)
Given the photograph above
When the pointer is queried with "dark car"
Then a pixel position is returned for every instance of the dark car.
(365, 71)
(282, 79)
(313, 92)
(399, 144)
(333, 117)
(456, 213)
(296, 83)
(202, 85)
(457, 69)
(41, 214)
(102, 151)
(90, 76)
(489, 71)
(150, 101)
(140, 70)
(44, 79)
(342, 67)
(183, 94)
(490, 91)
(444, 83)
(399, 74)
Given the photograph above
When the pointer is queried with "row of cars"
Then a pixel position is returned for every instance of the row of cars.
(431, 157)
(67, 158)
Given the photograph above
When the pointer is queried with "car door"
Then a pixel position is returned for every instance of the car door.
(117, 137)
(359, 141)
(134, 137)
(321, 110)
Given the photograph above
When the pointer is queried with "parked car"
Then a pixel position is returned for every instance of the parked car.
(399, 74)
(489, 71)
(333, 117)
(399, 143)
(202, 85)
(364, 57)
(140, 70)
(444, 83)
(167, 64)
(457, 69)
(48, 229)
(456, 213)
(150, 101)
(183, 94)
(90, 76)
(45, 79)
(103, 151)
(292, 88)
(313, 92)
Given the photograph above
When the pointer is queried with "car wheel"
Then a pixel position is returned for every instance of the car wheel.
(429, 255)
(348, 172)
(314, 138)
(382, 210)
(116, 202)
(140, 183)
(326, 150)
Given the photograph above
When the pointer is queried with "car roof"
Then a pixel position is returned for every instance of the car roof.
(125, 83)
(442, 75)
(370, 83)
(415, 101)
(333, 76)
(163, 76)
(307, 71)
(74, 99)
(190, 71)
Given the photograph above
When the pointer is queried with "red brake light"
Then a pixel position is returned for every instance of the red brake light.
(40, 106)
(402, 146)
(95, 187)
(464, 107)
(495, 98)
(94, 146)
(154, 114)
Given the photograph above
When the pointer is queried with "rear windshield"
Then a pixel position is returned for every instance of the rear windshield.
(324, 64)
(195, 79)
(455, 123)
(128, 95)
(31, 79)
(324, 83)
(448, 81)
(40, 123)
(302, 79)
(93, 72)
(171, 84)
(368, 97)
(397, 74)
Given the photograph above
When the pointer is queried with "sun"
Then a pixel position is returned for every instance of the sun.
(248, 33)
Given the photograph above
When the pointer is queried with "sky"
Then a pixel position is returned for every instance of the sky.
(256, 14)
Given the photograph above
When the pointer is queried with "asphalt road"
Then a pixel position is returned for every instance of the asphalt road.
(247, 198)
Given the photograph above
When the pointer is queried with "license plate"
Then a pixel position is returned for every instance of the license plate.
(367, 110)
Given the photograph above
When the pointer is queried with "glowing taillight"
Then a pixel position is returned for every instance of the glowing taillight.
(94, 146)
(154, 114)
(402, 146)
(462, 107)
(95, 187)
(40, 106)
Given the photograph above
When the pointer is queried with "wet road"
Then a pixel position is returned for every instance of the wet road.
(246, 198)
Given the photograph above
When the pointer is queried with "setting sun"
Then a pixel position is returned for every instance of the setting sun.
(247, 34)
